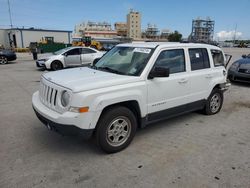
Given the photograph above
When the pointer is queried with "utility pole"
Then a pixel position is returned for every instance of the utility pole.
(235, 33)
(10, 14)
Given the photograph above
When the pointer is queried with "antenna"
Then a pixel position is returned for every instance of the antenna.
(10, 14)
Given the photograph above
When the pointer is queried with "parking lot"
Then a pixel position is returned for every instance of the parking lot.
(193, 150)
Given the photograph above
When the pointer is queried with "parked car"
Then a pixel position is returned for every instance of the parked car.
(240, 70)
(131, 86)
(69, 57)
(6, 56)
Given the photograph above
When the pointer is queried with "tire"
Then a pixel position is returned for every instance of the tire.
(214, 102)
(231, 79)
(116, 129)
(56, 65)
(3, 60)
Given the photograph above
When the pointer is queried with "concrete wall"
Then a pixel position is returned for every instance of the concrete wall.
(4, 38)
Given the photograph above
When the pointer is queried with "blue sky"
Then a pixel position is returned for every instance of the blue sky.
(173, 15)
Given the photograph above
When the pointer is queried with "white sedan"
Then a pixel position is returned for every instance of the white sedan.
(70, 57)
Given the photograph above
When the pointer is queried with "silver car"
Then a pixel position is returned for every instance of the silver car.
(69, 57)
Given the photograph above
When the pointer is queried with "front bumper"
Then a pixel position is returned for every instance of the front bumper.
(66, 130)
(238, 76)
(68, 123)
(40, 64)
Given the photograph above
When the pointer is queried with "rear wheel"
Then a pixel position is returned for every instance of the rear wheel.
(56, 65)
(3, 60)
(116, 129)
(214, 102)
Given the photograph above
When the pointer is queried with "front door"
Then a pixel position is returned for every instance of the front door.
(165, 93)
(73, 57)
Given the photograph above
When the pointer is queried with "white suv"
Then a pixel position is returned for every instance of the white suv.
(130, 87)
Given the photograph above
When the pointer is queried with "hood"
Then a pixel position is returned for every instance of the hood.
(46, 56)
(244, 63)
(84, 78)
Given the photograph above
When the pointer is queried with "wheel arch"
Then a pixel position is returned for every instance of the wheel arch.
(132, 105)
(56, 60)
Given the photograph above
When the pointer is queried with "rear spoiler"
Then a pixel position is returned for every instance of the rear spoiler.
(228, 58)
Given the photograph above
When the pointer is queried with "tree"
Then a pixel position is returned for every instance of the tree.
(175, 37)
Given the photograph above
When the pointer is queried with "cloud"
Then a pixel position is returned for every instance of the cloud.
(223, 35)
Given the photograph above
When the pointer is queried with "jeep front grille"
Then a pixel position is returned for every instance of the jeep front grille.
(49, 95)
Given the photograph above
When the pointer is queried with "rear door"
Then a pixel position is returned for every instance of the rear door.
(200, 73)
(88, 56)
(73, 57)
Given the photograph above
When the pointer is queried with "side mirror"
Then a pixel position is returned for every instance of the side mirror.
(159, 72)
(65, 54)
(96, 60)
(244, 56)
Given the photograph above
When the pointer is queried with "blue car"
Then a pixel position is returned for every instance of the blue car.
(240, 70)
(6, 56)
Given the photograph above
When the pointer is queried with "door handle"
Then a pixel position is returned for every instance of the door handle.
(183, 81)
(209, 76)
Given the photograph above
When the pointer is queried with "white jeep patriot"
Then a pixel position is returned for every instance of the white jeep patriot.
(129, 87)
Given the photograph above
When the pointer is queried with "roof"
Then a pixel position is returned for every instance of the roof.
(46, 30)
(168, 44)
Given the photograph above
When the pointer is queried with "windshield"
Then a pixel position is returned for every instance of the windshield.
(61, 51)
(125, 60)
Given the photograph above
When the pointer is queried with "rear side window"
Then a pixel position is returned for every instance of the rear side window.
(198, 58)
(172, 59)
(87, 51)
(75, 51)
(218, 58)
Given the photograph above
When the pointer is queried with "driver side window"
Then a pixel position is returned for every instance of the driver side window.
(172, 59)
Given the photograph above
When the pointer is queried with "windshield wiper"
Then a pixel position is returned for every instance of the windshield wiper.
(92, 67)
(110, 70)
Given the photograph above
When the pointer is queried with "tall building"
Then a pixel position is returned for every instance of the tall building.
(165, 33)
(95, 30)
(152, 31)
(121, 29)
(202, 30)
(134, 24)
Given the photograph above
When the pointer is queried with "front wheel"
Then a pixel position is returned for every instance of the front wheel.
(116, 129)
(3, 60)
(56, 65)
(214, 102)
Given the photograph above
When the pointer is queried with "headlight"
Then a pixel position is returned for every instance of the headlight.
(65, 98)
(234, 66)
(46, 59)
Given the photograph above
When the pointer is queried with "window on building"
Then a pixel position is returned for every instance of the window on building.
(172, 59)
(198, 58)
(218, 58)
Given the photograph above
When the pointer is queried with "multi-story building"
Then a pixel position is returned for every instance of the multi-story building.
(95, 30)
(121, 29)
(152, 31)
(134, 25)
(165, 33)
(202, 30)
